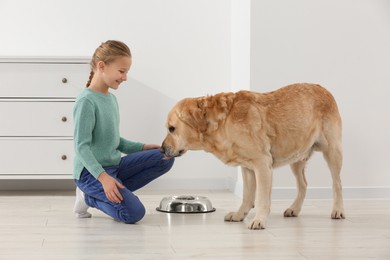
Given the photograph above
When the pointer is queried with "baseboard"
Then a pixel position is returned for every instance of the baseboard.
(159, 184)
(326, 192)
(37, 184)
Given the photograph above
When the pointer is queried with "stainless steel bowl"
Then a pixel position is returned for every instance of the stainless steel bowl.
(185, 204)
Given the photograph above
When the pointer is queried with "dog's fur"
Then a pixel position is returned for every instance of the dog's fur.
(261, 131)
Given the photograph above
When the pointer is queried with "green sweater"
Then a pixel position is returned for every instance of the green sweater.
(97, 142)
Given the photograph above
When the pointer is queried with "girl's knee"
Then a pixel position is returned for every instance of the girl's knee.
(139, 213)
(134, 213)
(169, 164)
(163, 164)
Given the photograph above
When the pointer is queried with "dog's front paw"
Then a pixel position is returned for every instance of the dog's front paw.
(257, 224)
(234, 217)
(291, 212)
(338, 214)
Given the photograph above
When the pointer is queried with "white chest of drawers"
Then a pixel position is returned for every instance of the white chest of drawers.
(36, 128)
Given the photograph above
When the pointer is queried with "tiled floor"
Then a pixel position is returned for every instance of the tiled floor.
(42, 226)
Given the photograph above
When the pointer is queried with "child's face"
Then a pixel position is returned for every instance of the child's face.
(115, 72)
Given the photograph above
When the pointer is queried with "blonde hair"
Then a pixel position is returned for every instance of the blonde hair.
(107, 52)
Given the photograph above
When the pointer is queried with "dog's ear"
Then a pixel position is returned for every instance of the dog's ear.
(216, 109)
(205, 113)
(223, 104)
(194, 114)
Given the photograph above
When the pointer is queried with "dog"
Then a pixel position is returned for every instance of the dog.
(259, 132)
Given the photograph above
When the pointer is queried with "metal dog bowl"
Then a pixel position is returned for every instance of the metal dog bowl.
(185, 204)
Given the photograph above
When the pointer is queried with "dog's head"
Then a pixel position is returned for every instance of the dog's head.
(190, 119)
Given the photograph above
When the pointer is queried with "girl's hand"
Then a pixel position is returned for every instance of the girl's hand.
(110, 186)
(151, 146)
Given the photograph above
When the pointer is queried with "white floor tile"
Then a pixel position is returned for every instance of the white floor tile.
(43, 227)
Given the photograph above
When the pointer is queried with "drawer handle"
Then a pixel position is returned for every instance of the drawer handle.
(64, 80)
(64, 119)
(64, 157)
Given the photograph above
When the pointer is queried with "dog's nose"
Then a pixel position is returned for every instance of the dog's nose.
(162, 149)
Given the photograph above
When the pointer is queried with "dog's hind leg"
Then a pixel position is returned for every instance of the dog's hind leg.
(298, 168)
(248, 200)
(333, 156)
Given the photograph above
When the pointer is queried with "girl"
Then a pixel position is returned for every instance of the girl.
(104, 179)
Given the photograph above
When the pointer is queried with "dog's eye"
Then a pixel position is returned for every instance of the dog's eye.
(171, 129)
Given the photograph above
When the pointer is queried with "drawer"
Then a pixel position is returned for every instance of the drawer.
(42, 80)
(36, 118)
(36, 156)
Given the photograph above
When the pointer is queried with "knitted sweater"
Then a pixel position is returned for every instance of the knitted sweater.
(97, 142)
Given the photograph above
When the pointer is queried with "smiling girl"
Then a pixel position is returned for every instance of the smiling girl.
(105, 180)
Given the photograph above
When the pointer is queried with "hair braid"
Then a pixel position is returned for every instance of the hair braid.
(90, 78)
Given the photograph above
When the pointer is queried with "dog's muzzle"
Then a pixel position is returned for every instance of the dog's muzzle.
(169, 152)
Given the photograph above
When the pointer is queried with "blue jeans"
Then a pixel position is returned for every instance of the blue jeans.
(134, 171)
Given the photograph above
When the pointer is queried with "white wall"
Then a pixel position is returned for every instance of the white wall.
(180, 49)
(198, 47)
(344, 46)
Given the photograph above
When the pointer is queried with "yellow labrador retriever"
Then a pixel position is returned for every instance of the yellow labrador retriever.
(261, 131)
